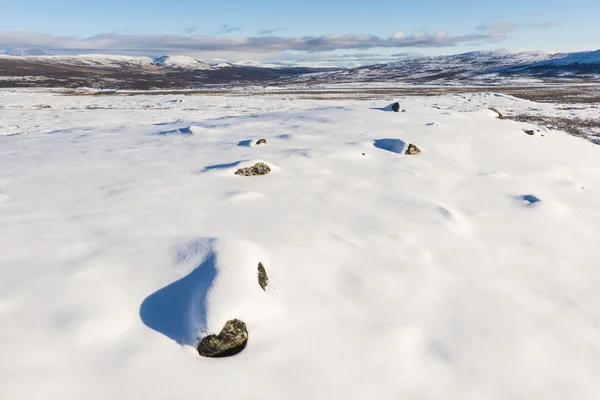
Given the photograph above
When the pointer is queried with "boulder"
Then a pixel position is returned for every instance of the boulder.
(263, 279)
(232, 340)
(255, 170)
(261, 141)
(412, 150)
(396, 107)
(530, 132)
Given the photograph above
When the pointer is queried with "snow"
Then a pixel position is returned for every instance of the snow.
(466, 272)
(586, 57)
(182, 62)
(23, 52)
(108, 60)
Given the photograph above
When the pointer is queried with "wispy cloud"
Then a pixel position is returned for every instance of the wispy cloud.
(225, 29)
(177, 44)
(264, 32)
(501, 29)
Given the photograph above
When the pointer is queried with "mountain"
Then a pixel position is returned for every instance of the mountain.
(472, 68)
(182, 72)
(25, 52)
(181, 62)
(126, 72)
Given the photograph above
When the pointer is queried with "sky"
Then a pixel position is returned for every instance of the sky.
(313, 31)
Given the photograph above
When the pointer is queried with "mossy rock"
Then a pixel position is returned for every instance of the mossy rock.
(231, 341)
(263, 279)
(255, 170)
(412, 150)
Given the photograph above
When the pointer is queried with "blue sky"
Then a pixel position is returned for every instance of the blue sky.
(267, 29)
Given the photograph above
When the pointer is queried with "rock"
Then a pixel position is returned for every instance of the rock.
(396, 107)
(412, 150)
(255, 170)
(43, 106)
(500, 116)
(263, 279)
(261, 141)
(232, 340)
(530, 132)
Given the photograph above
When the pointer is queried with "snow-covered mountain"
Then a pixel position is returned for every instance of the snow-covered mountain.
(24, 52)
(178, 72)
(474, 67)
(181, 62)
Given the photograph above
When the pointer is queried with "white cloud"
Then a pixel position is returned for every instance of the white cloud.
(176, 44)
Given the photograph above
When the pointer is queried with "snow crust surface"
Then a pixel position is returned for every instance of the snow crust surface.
(469, 271)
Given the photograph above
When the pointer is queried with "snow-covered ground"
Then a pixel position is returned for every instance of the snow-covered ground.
(467, 272)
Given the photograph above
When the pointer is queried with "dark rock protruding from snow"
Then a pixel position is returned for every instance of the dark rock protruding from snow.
(412, 150)
(263, 279)
(530, 132)
(255, 170)
(261, 141)
(396, 107)
(232, 340)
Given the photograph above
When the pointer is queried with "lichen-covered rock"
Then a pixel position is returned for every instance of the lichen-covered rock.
(255, 170)
(261, 141)
(232, 340)
(396, 107)
(412, 150)
(263, 279)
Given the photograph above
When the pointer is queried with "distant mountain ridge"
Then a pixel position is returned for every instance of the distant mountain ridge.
(475, 67)
(23, 67)
(25, 52)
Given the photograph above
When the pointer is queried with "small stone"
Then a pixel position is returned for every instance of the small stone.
(261, 141)
(363, 154)
(232, 340)
(530, 132)
(412, 150)
(263, 279)
(396, 107)
(255, 170)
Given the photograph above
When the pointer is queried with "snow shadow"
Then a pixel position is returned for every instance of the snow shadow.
(182, 132)
(529, 199)
(245, 143)
(179, 310)
(388, 108)
(221, 166)
(394, 145)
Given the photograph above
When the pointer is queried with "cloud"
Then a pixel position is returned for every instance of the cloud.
(225, 29)
(264, 32)
(178, 44)
(501, 29)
